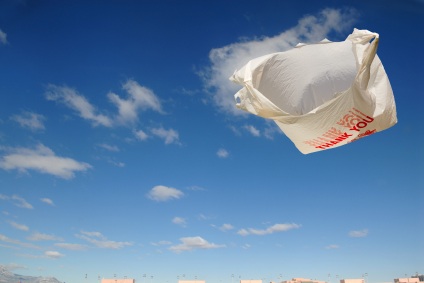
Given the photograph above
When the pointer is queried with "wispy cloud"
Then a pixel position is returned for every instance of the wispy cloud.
(141, 135)
(47, 201)
(6, 239)
(225, 60)
(53, 254)
(43, 237)
(270, 230)
(162, 193)
(72, 99)
(194, 243)
(222, 153)
(332, 247)
(358, 233)
(72, 247)
(18, 226)
(179, 221)
(108, 147)
(17, 201)
(252, 130)
(169, 136)
(100, 241)
(226, 227)
(161, 243)
(43, 160)
(3, 37)
(30, 120)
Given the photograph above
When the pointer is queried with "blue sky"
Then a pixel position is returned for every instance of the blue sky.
(121, 151)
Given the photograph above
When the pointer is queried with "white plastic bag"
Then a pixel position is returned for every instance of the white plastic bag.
(321, 95)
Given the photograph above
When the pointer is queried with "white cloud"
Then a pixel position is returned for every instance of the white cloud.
(226, 227)
(41, 159)
(225, 60)
(252, 130)
(179, 221)
(43, 237)
(47, 201)
(332, 247)
(30, 120)
(72, 99)
(140, 98)
(109, 147)
(270, 230)
(17, 200)
(358, 233)
(194, 243)
(18, 226)
(162, 193)
(53, 254)
(100, 241)
(72, 247)
(6, 239)
(141, 135)
(161, 243)
(3, 37)
(222, 153)
(170, 136)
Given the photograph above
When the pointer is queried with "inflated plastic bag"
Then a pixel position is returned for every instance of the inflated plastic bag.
(321, 95)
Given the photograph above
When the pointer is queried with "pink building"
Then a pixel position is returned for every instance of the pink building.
(408, 280)
(117, 280)
(303, 280)
(352, 281)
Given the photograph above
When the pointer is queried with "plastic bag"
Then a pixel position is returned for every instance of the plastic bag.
(322, 95)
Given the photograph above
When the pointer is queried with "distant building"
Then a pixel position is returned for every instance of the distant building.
(304, 280)
(191, 281)
(250, 281)
(407, 280)
(352, 281)
(117, 280)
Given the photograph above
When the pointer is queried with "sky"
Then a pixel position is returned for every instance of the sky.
(122, 152)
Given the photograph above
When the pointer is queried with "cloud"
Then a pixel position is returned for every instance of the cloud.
(6, 239)
(72, 99)
(109, 147)
(225, 60)
(162, 193)
(270, 230)
(252, 130)
(30, 120)
(226, 227)
(179, 221)
(139, 98)
(358, 233)
(141, 135)
(222, 153)
(161, 243)
(43, 160)
(53, 254)
(43, 237)
(332, 247)
(18, 226)
(72, 247)
(193, 243)
(17, 200)
(3, 37)
(47, 201)
(170, 136)
(100, 241)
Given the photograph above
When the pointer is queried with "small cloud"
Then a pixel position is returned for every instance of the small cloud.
(109, 147)
(30, 120)
(6, 239)
(194, 243)
(47, 201)
(179, 221)
(43, 160)
(332, 247)
(100, 241)
(246, 246)
(169, 136)
(43, 237)
(3, 37)
(270, 230)
(358, 233)
(196, 188)
(162, 193)
(53, 254)
(252, 130)
(19, 226)
(226, 227)
(141, 135)
(222, 153)
(17, 201)
(72, 247)
(161, 243)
